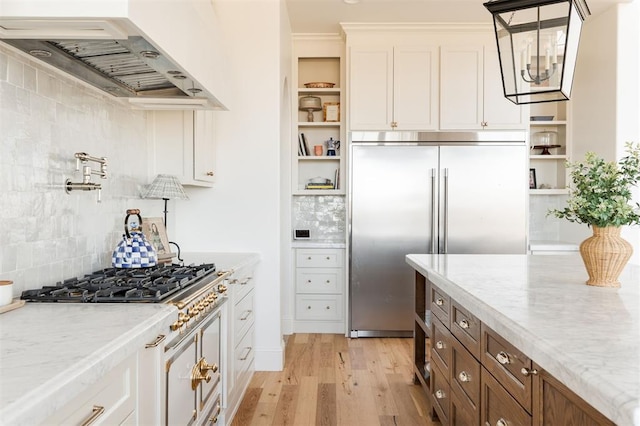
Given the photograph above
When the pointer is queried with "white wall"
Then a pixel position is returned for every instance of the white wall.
(47, 235)
(242, 212)
(605, 105)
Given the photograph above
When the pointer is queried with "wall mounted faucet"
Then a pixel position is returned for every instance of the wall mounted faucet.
(82, 158)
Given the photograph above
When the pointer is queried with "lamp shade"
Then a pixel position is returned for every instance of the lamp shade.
(538, 47)
(166, 187)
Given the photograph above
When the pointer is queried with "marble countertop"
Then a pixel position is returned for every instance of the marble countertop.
(50, 352)
(587, 337)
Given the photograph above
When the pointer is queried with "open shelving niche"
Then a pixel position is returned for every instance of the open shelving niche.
(306, 167)
(551, 171)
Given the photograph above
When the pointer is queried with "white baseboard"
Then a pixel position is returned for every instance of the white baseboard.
(270, 359)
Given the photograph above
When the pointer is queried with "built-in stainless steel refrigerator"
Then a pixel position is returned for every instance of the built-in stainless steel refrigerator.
(431, 192)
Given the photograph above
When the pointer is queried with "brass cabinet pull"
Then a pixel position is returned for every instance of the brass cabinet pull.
(328, 307)
(440, 344)
(439, 301)
(464, 324)
(96, 412)
(214, 419)
(245, 281)
(247, 315)
(328, 281)
(209, 173)
(242, 358)
(156, 342)
(503, 358)
(526, 371)
(464, 376)
(328, 258)
(439, 394)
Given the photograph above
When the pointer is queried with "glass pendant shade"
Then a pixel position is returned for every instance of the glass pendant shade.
(537, 47)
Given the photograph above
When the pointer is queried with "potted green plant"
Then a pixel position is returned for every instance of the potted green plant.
(600, 195)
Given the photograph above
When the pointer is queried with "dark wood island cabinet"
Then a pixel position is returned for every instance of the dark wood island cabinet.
(475, 377)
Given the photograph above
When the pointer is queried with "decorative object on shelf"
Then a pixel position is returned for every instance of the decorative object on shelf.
(133, 251)
(166, 187)
(600, 197)
(303, 147)
(532, 179)
(332, 146)
(310, 104)
(545, 138)
(319, 85)
(545, 148)
(331, 111)
(541, 117)
(318, 150)
(319, 183)
(537, 47)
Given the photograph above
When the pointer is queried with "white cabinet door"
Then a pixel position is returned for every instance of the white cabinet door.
(182, 144)
(370, 88)
(499, 112)
(461, 82)
(415, 87)
(204, 147)
(471, 95)
(393, 88)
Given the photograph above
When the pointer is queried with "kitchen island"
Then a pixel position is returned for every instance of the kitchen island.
(588, 338)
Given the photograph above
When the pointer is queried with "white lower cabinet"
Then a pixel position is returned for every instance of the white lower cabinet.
(110, 401)
(319, 299)
(240, 351)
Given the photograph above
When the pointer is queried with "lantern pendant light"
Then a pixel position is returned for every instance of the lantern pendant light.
(537, 47)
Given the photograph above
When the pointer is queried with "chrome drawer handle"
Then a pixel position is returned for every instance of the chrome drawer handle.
(463, 324)
(440, 344)
(246, 315)
(440, 394)
(439, 301)
(96, 412)
(464, 376)
(502, 422)
(526, 371)
(503, 358)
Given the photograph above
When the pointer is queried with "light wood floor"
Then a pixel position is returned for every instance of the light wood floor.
(330, 380)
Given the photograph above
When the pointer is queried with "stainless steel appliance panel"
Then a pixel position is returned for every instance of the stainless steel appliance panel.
(427, 192)
(482, 199)
(392, 189)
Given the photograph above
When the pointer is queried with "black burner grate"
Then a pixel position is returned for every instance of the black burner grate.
(113, 285)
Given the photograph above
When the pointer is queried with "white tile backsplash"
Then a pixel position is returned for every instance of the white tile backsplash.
(324, 216)
(47, 235)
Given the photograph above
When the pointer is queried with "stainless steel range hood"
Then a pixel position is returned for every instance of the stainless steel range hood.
(127, 48)
(129, 68)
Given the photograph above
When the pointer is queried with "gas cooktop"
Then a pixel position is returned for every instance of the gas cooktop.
(113, 285)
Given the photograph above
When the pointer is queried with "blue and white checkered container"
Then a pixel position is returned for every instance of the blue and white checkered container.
(134, 251)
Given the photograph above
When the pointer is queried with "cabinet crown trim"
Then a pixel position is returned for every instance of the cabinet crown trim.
(357, 27)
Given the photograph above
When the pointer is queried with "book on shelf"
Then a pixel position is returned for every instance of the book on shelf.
(303, 146)
(319, 186)
(336, 180)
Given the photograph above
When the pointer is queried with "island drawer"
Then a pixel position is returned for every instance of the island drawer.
(440, 304)
(465, 373)
(440, 394)
(466, 328)
(463, 411)
(441, 345)
(498, 407)
(508, 365)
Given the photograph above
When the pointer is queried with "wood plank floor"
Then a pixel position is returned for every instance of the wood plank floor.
(331, 380)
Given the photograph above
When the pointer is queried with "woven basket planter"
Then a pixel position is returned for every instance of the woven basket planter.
(605, 255)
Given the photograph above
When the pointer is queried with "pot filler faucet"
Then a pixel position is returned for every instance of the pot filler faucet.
(86, 184)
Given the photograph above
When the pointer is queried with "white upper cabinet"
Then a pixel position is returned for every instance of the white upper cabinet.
(471, 94)
(393, 87)
(183, 144)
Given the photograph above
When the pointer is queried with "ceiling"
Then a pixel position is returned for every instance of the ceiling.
(324, 16)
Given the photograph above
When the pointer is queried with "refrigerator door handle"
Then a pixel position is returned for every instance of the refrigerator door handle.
(445, 247)
(434, 247)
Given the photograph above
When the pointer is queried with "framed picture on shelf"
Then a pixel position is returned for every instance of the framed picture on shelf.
(331, 111)
(532, 179)
(155, 232)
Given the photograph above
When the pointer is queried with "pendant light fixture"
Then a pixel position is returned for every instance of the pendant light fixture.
(537, 47)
